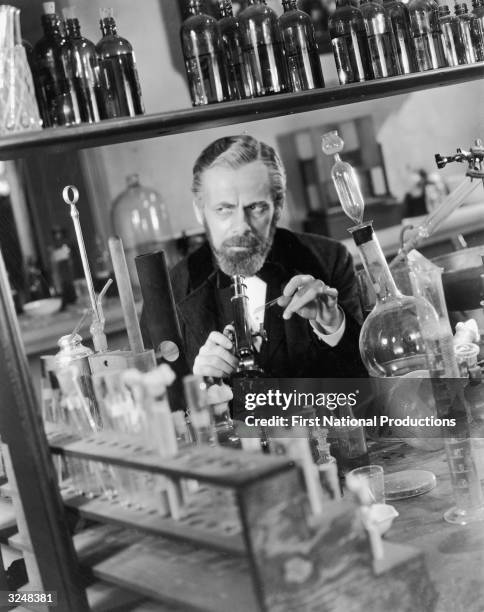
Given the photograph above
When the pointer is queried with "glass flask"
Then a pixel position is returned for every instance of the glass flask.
(204, 63)
(302, 55)
(467, 33)
(397, 14)
(140, 218)
(381, 43)
(350, 46)
(118, 70)
(199, 413)
(86, 73)
(263, 48)
(453, 45)
(58, 104)
(344, 178)
(478, 28)
(425, 31)
(239, 78)
(401, 334)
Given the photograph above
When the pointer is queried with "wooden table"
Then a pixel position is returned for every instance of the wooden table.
(454, 554)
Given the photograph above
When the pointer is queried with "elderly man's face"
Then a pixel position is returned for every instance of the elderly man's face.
(238, 215)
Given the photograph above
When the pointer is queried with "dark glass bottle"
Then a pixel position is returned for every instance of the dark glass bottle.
(201, 47)
(350, 46)
(397, 14)
(454, 48)
(425, 31)
(239, 78)
(478, 28)
(57, 104)
(466, 22)
(300, 47)
(118, 70)
(381, 43)
(263, 49)
(86, 73)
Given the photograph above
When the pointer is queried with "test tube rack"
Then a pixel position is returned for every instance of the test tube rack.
(246, 539)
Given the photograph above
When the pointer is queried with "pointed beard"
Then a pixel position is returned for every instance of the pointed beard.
(247, 262)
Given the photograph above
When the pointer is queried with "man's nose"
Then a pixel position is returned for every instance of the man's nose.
(240, 221)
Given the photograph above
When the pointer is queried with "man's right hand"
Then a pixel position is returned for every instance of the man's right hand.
(214, 358)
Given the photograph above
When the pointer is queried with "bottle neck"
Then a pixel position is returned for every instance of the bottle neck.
(461, 9)
(108, 26)
(73, 28)
(52, 25)
(375, 263)
(289, 5)
(444, 10)
(225, 8)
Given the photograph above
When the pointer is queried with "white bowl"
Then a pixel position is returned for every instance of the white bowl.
(42, 308)
(382, 515)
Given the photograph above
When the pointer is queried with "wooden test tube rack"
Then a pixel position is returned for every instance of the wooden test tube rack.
(246, 540)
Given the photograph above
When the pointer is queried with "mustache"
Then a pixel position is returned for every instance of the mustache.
(245, 240)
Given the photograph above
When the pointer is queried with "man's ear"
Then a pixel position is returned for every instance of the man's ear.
(198, 212)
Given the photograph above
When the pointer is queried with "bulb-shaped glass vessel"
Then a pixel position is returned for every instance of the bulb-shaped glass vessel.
(466, 32)
(302, 56)
(140, 219)
(344, 178)
(201, 45)
(401, 334)
(350, 46)
(399, 19)
(263, 49)
(381, 42)
(118, 69)
(86, 73)
(239, 78)
(425, 30)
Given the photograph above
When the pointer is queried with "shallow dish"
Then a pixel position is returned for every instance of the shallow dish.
(42, 308)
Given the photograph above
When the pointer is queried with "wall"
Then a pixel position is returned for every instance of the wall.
(411, 128)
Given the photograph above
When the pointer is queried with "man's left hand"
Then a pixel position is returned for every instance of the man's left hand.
(312, 299)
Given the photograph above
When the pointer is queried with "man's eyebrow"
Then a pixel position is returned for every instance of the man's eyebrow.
(258, 202)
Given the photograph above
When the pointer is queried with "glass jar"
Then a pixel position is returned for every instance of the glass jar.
(140, 218)
(381, 41)
(397, 13)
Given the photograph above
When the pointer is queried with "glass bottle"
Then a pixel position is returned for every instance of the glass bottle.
(397, 13)
(140, 218)
(204, 63)
(263, 48)
(301, 49)
(467, 33)
(239, 78)
(425, 31)
(86, 73)
(58, 104)
(478, 28)
(350, 46)
(401, 334)
(381, 43)
(454, 48)
(118, 70)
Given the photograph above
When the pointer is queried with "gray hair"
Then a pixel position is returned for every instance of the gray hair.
(236, 151)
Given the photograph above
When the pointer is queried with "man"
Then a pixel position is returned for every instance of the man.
(239, 187)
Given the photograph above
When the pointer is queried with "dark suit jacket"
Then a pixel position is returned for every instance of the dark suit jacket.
(195, 288)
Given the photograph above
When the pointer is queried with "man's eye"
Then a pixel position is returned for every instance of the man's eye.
(258, 207)
(224, 210)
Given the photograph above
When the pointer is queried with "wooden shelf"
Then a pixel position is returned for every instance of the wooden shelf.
(182, 575)
(149, 521)
(113, 131)
(220, 467)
